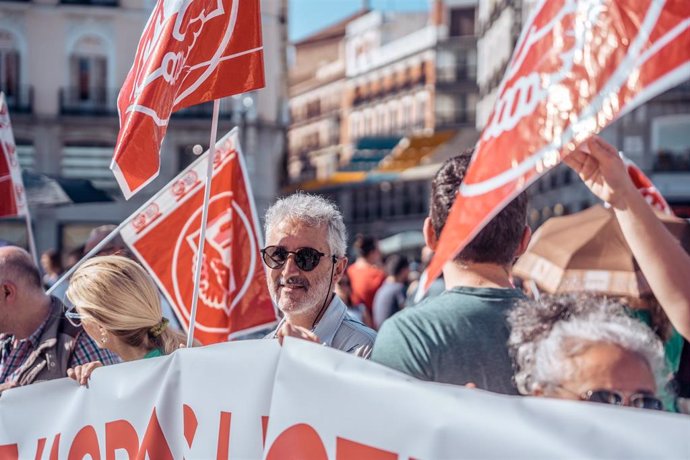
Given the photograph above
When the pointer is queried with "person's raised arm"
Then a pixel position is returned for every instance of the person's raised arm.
(660, 256)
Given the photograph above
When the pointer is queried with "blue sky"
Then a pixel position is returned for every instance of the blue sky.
(308, 16)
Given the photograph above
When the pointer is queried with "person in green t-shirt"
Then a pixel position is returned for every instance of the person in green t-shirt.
(461, 336)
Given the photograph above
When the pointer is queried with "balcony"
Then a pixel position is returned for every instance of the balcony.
(205, 110)
(457, 74)
(94, 102)
(90, 2)
(19, 100)
(455, 119)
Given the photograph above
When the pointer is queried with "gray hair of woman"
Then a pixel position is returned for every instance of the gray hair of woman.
(314, 211)
(545, 334)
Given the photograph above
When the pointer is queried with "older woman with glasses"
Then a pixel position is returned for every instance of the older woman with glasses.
(585, 348)
(117, 304)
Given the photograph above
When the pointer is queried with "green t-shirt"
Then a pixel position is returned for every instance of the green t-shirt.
(153, 353)
(457, 337)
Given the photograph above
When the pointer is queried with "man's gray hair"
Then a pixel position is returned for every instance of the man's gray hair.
(546, 333)
(314, 211)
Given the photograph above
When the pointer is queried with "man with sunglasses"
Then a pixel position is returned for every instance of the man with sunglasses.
(37, 341)
(305, 254)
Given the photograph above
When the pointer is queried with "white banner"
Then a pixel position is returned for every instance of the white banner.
(212, 403)
(204, 403)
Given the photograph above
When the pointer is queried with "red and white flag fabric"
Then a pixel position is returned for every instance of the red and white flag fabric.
(190, 52)
(577, 65)
(12, 194)
(648, 190)
(164, 235)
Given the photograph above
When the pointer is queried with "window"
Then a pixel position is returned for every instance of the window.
(461, 22)
(89, 161)
(670, 143)
(9, 67)
(88, 75)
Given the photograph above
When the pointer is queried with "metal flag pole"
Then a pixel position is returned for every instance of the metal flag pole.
(32, 239)
(204, 218)
(96, 249)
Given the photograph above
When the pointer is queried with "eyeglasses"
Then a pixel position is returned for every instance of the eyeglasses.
(306, 259)
(73, 316)
(640, 400)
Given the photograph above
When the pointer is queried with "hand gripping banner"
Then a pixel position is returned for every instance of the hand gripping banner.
(191, 51)
(164, 235)
(576, 67)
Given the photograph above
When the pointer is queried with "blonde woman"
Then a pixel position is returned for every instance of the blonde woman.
(117, 304)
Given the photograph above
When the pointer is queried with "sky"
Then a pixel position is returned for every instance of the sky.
(308, 16)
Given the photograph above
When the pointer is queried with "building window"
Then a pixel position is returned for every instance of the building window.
(89, 161)
(670, 143)
(88, 77)
(461, 22)
(10, 77)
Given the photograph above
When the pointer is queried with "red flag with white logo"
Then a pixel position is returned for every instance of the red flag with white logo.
(190, 52)
(12, 195)
(577, 66)
(164, 235)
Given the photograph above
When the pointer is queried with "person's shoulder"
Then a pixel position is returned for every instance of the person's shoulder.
(355, 328)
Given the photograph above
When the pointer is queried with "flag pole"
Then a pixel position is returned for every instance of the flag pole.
(30, 235)
(96, 249)
(204, 218)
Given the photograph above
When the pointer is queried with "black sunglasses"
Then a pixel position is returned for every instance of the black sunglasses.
(306, 259)
(639, 400)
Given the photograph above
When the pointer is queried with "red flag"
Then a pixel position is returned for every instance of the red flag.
(576, 67)
(12, 196)
(644, 184)
(164, 235)
(190, 52)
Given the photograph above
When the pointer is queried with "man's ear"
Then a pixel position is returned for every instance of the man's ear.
(524, 241)
(340, 266)
(429, 234)
(8, 291)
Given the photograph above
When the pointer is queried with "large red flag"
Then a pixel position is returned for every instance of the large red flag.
(12, 196)
(576, 67)
(190, 52)
(164, 235)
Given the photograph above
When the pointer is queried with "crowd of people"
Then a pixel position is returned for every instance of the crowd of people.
(474, 327)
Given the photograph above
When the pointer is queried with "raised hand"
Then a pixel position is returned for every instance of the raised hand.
(602, 170)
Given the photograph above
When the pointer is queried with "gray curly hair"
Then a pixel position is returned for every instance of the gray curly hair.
(545, 333)
(314, 211)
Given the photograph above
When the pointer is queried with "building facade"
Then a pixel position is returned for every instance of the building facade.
(62, 63)
(395, 84)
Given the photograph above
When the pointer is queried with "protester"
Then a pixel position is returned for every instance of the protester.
(365, 274)
(390, 298)
(585, 348)
(461, 335)
(343, 289)
(52, 267)
(662, 260)
(118, 305)
(37, 342)
(305, 253)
